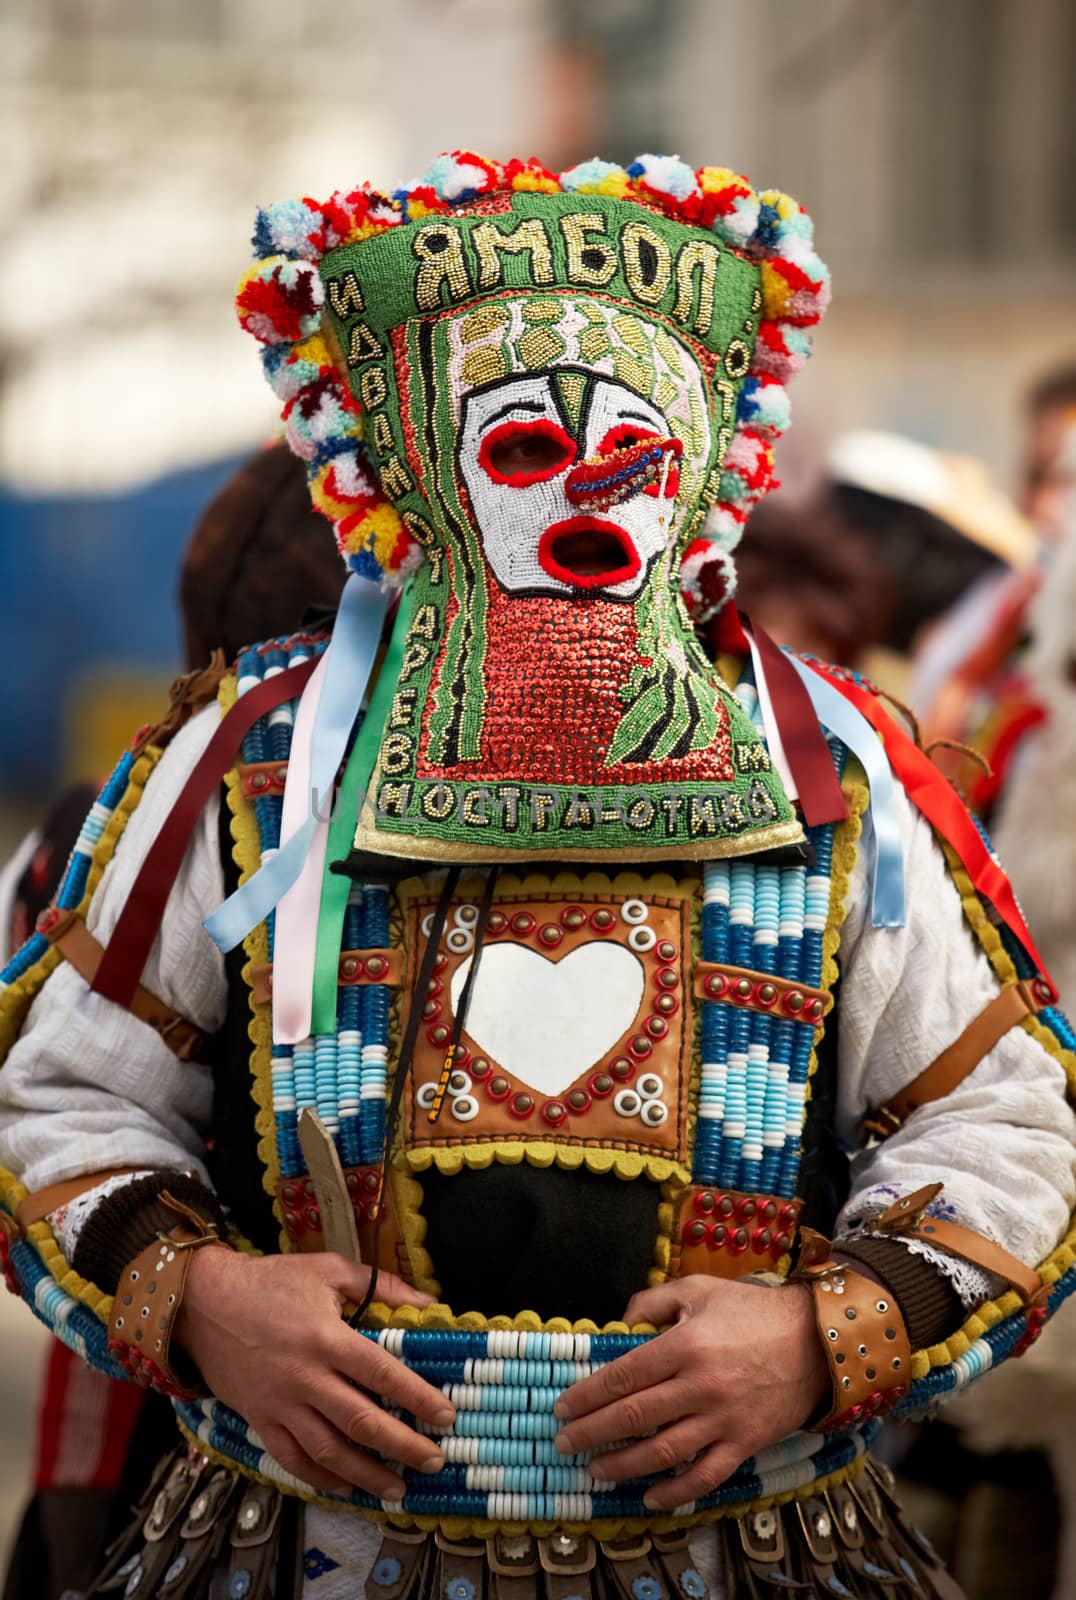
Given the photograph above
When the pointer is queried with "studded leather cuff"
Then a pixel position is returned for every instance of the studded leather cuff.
(863, 1334)
(147, 1301)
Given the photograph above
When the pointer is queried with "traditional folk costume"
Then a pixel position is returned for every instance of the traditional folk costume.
(548, 959)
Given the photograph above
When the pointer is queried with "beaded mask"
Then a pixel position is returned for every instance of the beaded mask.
(562, 395)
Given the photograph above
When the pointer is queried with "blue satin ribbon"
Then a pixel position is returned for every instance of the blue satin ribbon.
(881, 829)
(351, 653)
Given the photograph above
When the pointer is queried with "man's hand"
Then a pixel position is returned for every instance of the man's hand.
(268, 1338)
(740, 1368)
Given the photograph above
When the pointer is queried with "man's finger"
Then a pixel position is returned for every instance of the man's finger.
(364, 1423)
(333, 1454)
(662, 1305)
(283, 1446)
(701, 1478)
(351, 1281)
(639, 1414)
(642, 1368)
(367, 1364)
(668, 1449)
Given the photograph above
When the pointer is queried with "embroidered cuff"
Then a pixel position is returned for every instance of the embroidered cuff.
(130, 1218)
(929, 1303)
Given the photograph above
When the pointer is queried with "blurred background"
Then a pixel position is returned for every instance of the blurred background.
(934, 145)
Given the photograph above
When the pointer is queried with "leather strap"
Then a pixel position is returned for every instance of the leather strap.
(862, 1333)
(1015, 1001)
(67, 932)
(121, 966)
(908, 1219)
(38, 1205)
(764, 992)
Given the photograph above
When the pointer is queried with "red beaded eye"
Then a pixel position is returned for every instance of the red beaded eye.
(521, 453)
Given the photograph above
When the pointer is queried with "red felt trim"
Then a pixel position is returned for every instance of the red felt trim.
(935, 798)
(120, 971)
(594, 580)
(535, 428)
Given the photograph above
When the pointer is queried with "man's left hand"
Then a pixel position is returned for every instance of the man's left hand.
(740, 1367)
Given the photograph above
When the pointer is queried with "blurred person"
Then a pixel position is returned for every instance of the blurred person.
(811, 584)
(971, 684)
(392, 1181)
(259, 559)
(937, 524)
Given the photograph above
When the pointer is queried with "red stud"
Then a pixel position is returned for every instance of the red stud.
(602, 920)
(743, 989)
(760, 1240)
(814, 1009)
(579, 1101)
(623, 1068)
(550, 935)
(768, 1211)
(665, 950)
(480, 1067)
(573, 917)
(602, 1084)
(496, 922)
(431, 1009)
(376, 966)
(794, 1002)
(705, 1202)
(498, 1088)
(717, 1236)
(440, 961)
(521, 1105)
(639, 1046)
(767, 994)
(523, 923)
(657, 1027)
(666, 978)
(716, 985)
(666, 1004)
(694, 1232)
(781, 1243)
(439, 1035)
(738, 1241)
(554, 1112)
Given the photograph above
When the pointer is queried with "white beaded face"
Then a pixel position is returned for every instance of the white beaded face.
(517, 448)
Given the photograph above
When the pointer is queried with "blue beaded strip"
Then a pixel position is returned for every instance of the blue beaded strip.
(342, 1074)
(753, 1077)
(73, 884)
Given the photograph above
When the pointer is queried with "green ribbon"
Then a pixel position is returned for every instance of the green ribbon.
(335, 886)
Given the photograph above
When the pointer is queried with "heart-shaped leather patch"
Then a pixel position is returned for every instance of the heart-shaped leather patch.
(545, 1022)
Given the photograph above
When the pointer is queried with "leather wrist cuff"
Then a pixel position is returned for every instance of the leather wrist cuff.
(931, 1308)
(147, 1301)
(863, 1334)
(128, 1220)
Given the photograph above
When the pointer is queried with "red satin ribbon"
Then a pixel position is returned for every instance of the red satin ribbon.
(132, 938)
(934, 796)
(808, 754)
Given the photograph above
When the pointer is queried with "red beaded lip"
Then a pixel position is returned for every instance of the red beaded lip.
(588, 553)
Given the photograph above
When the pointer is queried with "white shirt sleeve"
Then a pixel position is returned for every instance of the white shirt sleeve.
(87, 1085)
(1004, 1140)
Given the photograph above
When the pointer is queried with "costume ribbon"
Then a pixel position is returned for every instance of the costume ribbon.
(350, 656)
(802, 747)
(356, 780)
(774, 741)
(881, 828)
(935, 798)
(297, 913)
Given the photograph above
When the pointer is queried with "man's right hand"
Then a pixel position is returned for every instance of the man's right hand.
(267, 1336)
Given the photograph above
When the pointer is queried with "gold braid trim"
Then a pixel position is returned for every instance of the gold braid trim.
(1063, 1256)
(246, 853)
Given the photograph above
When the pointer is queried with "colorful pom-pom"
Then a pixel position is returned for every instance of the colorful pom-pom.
(279, 301)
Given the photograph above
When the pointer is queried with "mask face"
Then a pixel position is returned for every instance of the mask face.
(518, 445)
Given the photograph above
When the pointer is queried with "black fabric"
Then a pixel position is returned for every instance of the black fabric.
(563, 1244)
(122, 1224)
(825, 1170)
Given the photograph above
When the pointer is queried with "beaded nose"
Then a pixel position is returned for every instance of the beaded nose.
(609, 480)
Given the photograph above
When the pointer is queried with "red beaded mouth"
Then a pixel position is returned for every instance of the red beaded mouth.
(588, 553)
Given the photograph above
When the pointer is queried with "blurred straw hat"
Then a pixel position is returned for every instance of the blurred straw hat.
(956, 489)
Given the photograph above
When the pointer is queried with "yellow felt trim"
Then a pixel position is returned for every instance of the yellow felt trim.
(483, 1528)
(1063, 1256)
(246, 853)
(407, 1200)
(627, 1164)
(511, 886)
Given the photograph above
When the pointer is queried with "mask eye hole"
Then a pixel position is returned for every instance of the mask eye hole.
(623, 435)
(522, 453)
